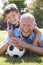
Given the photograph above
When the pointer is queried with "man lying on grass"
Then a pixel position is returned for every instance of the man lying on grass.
(26, 35)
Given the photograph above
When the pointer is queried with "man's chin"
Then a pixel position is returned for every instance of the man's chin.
(26, 35)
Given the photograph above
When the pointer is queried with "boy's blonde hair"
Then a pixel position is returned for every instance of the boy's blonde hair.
(10, 7)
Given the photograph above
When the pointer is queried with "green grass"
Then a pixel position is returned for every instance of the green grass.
(3, 34)
(27, 59)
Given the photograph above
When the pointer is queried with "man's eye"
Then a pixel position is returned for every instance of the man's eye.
(13, 15)
(24, 24)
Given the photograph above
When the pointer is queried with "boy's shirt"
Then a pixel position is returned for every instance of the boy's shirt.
(17, 33)
(11, 26)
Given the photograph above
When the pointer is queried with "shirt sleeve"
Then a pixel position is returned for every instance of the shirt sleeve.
(9, 26)
(41, 38)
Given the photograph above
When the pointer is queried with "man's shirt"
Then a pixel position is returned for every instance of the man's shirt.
(17, 33)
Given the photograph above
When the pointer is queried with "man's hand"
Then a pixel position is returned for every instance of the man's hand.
(19, 43)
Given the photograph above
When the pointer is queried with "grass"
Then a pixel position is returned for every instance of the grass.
(27, 59)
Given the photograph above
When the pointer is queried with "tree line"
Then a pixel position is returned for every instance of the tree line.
(35, 8)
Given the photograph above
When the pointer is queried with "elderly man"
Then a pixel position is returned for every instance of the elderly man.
(26, 35)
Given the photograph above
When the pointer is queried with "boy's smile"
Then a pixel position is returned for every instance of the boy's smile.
(12, 17)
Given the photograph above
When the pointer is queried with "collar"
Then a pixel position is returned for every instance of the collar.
(30, 37)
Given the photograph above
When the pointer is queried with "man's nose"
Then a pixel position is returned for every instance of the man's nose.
(26, 26)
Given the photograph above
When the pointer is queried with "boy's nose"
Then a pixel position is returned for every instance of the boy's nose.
(13, 20)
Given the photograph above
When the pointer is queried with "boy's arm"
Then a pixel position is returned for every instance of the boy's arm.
(10, 30)
(37, 35)
(3, 47)
(11, 34)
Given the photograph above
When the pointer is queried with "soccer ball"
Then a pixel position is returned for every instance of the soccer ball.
(11, 50)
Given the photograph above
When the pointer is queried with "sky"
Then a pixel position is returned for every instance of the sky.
(1, 4)
(28, 1)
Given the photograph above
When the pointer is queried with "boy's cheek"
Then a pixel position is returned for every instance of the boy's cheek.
(17, 18)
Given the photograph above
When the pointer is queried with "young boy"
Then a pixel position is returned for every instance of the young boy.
(12, 16)
(26, 34)
(13, 19)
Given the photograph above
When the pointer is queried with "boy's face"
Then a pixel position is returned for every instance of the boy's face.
(12, 17)
(26, 26)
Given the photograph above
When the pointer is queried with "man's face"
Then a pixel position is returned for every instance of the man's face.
(26, 26)
(12, 17)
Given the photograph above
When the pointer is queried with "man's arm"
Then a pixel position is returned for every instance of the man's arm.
(22, 44)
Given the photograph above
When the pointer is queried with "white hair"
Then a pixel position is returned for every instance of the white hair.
(27, 15)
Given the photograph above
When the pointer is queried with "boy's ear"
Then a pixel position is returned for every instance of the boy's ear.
(19, 13)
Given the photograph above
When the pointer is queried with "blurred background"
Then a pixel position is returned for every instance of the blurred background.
(34, 7)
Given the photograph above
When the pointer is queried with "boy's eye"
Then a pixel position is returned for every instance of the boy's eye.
(23, 24)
